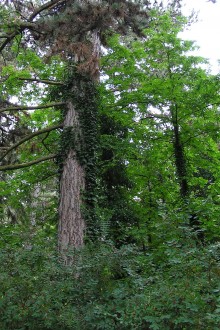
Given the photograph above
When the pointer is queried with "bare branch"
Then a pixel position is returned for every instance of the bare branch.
(19, 28)
(24, 108)
(9, 38)
(42, 141)
(153, 116)
(29, 137)
(47, 5)
(3, 36)
(28, 25)
(22, 165)
(43, 81)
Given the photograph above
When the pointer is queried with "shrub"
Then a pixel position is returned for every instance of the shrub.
(109, 288)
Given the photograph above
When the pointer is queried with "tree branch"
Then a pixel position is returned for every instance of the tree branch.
(6, 41)
(22, 165)
(43, 81)
(4, 36)
(23, 108)
(19, 28)
(28, 25)
(153, 116)
(29, 137)
(44, 7)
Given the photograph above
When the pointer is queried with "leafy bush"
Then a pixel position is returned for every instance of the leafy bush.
(109, 288)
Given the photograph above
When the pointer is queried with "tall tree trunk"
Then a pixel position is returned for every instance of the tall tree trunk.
(78, 178)
(72, 184)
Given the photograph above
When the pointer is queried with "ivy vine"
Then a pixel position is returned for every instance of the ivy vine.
(82, 92)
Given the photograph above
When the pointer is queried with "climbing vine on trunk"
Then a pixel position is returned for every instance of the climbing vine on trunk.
(79, 144)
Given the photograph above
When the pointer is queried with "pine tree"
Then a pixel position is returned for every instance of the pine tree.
(74, 31)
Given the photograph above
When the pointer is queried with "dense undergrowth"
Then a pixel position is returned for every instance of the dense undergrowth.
(174, 286)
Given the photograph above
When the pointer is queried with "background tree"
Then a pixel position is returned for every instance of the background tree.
(165, 95)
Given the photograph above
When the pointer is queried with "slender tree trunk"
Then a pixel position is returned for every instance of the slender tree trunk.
(180, 160)
(181, 169)
(180, 163)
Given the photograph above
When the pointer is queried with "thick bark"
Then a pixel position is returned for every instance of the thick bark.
(72, 183)
(80, 123)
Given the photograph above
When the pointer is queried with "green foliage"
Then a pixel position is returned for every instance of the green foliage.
(174, 287)
(169, 104)
(29, 196)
